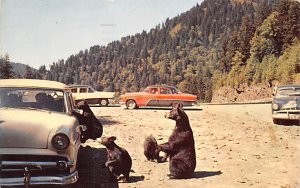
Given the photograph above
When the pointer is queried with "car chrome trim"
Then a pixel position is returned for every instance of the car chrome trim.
(39, 180)
(33, 163)
(168, 102)
(292, 114)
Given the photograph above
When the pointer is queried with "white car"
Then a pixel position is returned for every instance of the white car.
(39, 136)
(85, 92)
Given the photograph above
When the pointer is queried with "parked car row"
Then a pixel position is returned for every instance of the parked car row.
(40, 133)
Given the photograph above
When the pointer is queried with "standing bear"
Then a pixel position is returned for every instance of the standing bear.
(94, 126)
(180, 147)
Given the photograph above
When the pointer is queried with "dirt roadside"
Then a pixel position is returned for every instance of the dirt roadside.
(236, 146)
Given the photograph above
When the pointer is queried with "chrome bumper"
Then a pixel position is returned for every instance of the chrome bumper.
(288, 115)
(33, 163)
(51, 180)
(28, 167)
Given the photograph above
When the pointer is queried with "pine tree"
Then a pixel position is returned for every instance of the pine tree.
(28, 72)
(6, 69)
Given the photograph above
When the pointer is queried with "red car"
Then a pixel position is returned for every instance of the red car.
(157, 96)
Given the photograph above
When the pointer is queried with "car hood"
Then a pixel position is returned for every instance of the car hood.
(23, 128)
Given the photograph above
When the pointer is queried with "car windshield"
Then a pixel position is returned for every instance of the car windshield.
(37, 99)
(284, 92)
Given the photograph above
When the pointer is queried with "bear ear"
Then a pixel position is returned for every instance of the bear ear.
(112, 138)
(180, 106)
(174, 105)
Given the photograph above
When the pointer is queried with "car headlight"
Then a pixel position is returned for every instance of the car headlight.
(275, 106)
(60, 141)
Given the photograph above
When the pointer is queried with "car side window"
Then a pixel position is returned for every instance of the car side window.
(153, 90)
(165, 91)
(83, 90)
(74, 90)
(173, 91)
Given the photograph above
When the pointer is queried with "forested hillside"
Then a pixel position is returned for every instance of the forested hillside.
(220, 43)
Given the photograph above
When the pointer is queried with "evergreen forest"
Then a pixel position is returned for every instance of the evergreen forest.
(215, 44)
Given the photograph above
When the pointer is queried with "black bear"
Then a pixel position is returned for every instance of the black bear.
(180, 147)
(94, 126)
(150, 147)
(118, 160)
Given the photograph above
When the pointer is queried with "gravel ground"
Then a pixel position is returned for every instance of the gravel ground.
(236, 146)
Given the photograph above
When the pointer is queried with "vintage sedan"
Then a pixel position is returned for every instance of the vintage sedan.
(86, 92)
(39, 136)
(157, 96)
(286, 104)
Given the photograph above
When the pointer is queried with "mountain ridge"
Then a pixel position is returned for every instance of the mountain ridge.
(215, 44)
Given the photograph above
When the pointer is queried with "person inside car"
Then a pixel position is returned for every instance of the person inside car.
(44, 101)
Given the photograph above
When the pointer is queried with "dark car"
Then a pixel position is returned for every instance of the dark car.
(286, 104)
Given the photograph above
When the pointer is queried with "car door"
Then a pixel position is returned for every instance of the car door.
(150, 97)
(165, 96)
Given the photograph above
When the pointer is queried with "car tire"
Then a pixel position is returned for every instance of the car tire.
(131, 104)
(103, 102)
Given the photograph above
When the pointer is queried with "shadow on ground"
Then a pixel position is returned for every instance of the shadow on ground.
(90, 168)
(204, 174)
(109, 106)
(105, 120)
(289, 122)
(134, 179)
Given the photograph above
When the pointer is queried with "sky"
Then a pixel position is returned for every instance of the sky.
(40, 32)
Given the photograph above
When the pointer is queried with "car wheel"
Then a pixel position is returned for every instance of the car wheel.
(131, 104)
(103, 102)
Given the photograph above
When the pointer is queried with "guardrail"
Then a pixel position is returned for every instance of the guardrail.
(259, 101)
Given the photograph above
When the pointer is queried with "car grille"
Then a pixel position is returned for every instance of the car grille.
(294, 108)
(289, 111)
(7, 171)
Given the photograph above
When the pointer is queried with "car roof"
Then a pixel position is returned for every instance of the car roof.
(33, 83)
(79, 86)
(287, 86)
(162, 86)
